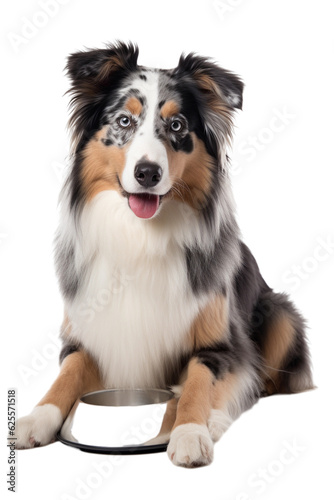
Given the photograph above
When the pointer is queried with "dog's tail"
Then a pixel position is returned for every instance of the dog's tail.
(279, 332)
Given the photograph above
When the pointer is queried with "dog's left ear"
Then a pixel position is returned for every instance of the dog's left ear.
(218, 94)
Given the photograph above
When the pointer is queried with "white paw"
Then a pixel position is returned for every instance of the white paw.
(39, 427)
(218, 423)
(190, 445)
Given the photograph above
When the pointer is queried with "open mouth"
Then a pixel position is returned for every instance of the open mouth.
(144, 205)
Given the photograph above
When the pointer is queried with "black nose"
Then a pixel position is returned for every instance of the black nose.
(147, 173)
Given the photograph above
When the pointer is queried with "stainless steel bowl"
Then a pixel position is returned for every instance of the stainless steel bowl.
(127, 397)
(117, 421)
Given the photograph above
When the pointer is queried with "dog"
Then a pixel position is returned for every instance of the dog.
(159, 288)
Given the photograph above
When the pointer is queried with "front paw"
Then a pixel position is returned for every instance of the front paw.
(39, 427)
(190, 445)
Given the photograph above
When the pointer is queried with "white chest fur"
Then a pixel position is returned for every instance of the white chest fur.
(134, 309)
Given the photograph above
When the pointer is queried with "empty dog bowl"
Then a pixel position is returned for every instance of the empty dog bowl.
(117, 421)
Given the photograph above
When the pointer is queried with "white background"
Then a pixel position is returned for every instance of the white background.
(284, 193)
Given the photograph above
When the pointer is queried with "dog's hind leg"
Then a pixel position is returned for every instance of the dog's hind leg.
(78, 374)
(279, 331)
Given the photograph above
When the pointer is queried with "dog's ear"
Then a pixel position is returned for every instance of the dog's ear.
(218, 94)
(211, 78)
(95, 74)
(98, 65)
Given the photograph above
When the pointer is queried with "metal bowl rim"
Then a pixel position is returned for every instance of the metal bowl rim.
(167, 392)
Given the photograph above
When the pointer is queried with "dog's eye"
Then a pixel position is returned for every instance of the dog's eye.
(124, 121)
(176, 126)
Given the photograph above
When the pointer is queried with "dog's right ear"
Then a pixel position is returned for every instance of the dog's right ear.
(95, 75)
(99, 64)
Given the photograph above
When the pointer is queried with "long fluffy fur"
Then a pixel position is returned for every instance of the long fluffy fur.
(149, 318)
(176, 300)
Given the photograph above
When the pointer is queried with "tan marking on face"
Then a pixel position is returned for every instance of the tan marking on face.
(79, 374)
(101, 165)
(195, 403)
(211, 325)
(170, 108)
(279, 338)
(191, 174)
(134, 106)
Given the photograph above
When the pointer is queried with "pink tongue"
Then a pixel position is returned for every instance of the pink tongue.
(144, 205)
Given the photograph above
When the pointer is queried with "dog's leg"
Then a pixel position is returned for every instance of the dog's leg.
(221, 417)
(78, 374)
(279, 331)
(66, 430)
(232, 395)
(207, 407)
(167, 424)
(190, 442)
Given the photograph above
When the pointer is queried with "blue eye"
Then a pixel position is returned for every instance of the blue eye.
(176, 126)
(124, 121)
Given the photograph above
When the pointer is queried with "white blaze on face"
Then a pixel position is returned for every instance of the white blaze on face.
(145, 145)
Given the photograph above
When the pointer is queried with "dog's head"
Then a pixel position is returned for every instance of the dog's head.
(149, 134)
